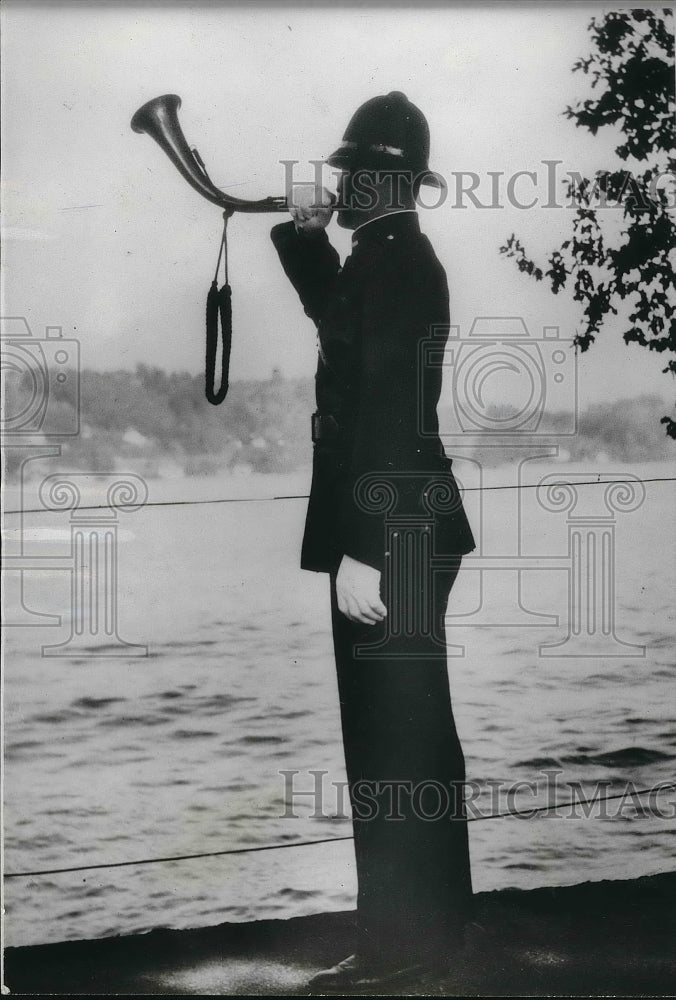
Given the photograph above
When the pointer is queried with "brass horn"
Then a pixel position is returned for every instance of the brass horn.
(159, 118)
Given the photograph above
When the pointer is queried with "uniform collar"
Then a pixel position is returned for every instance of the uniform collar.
(390, 227)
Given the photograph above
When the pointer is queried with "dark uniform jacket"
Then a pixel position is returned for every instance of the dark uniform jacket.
(376, 399)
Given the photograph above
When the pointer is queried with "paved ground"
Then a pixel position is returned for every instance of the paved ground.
(600, 938)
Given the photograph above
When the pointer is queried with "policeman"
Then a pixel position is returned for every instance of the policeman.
(385, 521)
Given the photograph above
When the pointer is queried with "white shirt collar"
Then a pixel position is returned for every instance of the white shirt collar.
(385, 215)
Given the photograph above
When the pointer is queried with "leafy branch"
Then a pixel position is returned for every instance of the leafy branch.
(632, 67)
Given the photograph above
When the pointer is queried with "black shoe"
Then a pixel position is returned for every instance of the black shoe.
(357, 972)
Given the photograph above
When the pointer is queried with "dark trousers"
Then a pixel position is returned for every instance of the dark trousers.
(405, 769)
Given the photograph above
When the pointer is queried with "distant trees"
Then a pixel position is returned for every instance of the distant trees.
(170, 411)
(631, 67)
(625, 430)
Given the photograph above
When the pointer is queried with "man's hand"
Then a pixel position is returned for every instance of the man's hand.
(311, 208)
(358, 592)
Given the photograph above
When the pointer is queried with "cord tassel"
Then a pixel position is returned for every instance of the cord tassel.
(219, 306)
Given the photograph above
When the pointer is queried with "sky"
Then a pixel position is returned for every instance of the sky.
(105, 239)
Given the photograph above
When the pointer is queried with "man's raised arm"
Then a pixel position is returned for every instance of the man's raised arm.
(308, 259)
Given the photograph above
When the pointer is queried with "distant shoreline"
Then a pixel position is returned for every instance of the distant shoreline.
(159, 425)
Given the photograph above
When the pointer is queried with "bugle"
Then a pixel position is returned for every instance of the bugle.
(159, 119)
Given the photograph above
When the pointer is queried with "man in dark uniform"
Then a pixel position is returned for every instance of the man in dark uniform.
(386, 522)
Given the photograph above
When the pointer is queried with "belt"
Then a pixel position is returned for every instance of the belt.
(325, 427)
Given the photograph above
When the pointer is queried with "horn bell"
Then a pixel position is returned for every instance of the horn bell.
(158, 118)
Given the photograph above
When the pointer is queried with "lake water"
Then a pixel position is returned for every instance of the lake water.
(119, 758)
